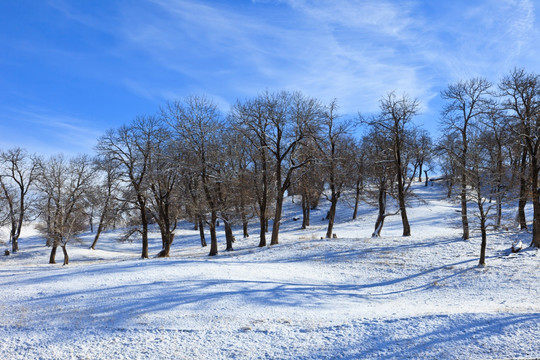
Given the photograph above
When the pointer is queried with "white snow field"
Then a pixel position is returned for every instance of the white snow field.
(354, 297)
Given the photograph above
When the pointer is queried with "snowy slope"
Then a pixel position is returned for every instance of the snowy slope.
(353, 297)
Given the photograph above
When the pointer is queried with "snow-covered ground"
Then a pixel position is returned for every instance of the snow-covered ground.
(353, 297)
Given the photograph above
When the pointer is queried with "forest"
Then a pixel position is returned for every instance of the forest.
(192, 161)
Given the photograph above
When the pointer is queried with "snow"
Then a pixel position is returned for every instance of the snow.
(352, 297)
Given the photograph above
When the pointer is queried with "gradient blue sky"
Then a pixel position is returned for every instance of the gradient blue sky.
(72, 69)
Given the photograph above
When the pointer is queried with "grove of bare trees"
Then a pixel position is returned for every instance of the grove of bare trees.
(193, 161)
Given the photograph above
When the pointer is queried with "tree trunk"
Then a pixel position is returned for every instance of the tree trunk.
(535, 194)
(479, 202)
(356, 200)
(52, 257)
(401, 194)
(263, 222)
(522, 191)
(98, 233)
(15, 239)
(66, 257)
(245, 229)
(229, 237)
(499, 208)
(245, 223)
(536, 221)
(13, 231)
(144, 223)
(305, 211)
(382, 210)
(277, 218)
(201, 232)
(427, 179)
(403, 211)
(213, 235)
(482, 261)
(91, 222)
(464, 219)
(165, 252)
(14, 244)
(263, 225)
(144, 253)
(332, 215)
(450, 186)
(420, 172)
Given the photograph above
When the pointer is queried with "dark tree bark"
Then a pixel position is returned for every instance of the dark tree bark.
(483, 246)
(463, 201)
(245, 230)
(201, 232)
(522, 191)
(165, 252)
(331, 216)
(382, 209)
(96, 238)
(144, 224)
(66, 257)
(358, 192)
(401, 193)
(213, 234)
(52, 257)
(277, 216)
(305, 211)
(229, 237)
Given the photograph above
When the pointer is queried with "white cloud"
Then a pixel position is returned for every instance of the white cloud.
(46, 132)
(355, 51)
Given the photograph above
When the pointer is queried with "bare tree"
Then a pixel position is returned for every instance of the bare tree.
(132, 146)
(198, 127)
(275, 125)
(521, 92)
(379, 170)
(105, 194)
(422, 149)
(496, 138)
(63, 184)
(293, 117)
(194, 198)
(333, 145)
(17, 175)
(447, 154)
(466, 102)
(523, 190)
(357, 161)
(394, 123)
(164, 179)
(250, 118)
(483, 177)
(309, 180)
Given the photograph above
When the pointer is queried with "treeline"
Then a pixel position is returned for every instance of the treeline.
(191, 161)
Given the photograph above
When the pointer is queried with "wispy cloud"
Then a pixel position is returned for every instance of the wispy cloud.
(47, 132)
(320, 48)
(352, 50)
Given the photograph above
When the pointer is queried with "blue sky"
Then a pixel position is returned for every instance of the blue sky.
(70, 70)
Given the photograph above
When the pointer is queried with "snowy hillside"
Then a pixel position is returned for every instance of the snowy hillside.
(353, 297)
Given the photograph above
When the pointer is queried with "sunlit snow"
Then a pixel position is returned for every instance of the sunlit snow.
(354, 297)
